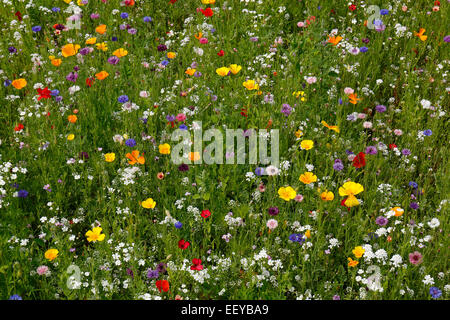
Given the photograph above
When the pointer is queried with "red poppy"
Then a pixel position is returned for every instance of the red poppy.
(89, 82)
(208, 12)
(352, 7)
(392, 146)
(44, 93)
(162, 285)
(182, 244)
(360, 160)
(343, 203)
(18, 15)
(206, 213)
(173, 1)
(18, 127)
(221, 53)
(197, 264)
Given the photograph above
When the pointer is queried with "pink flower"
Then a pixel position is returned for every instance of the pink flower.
(42, 270)
(300, 24)
(348, 90)
(351, 157)
(180, 117)
(361, 115)
(367, 124)
(404, 8)
(398, 132)
(311, 80)
(143, 94)
(272, 224)
(415, 257)
(203, 40)
(298, 198)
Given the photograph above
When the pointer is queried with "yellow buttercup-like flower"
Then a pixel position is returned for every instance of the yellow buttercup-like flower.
(164, 148)
(223, 71)
(250, 85)
(208, 1)
(358, 251)
(234, 68)
(70, 137)
(171, 55)
(350, 189)
(70, 50)
(190, 71)
(307, 144)
(102, 46)
(95, 235)
(91, 41)
(287, 193)
(110, 157)
(121, 52)
(308, 177)
(149, 203)
(51, 254)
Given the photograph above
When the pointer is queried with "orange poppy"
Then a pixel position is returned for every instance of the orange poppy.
(101, 29)
(102, 75)
(353, 98)
(72, 118)
(334, 40)
(420, 34)
(134, 157)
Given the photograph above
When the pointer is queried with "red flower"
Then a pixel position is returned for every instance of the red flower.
(392, 146)
(206, 213)
(173, 1)
(183, 244)
(162, 285)
(197, 264)
(360, 160)
(18, 127)
(221, 53)
(352, 7)
(18, 15)
(44, 93)
(208, 12)
(89, 82)
(343, 203)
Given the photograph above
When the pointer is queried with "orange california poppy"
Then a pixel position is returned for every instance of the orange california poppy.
(334, 40)
(134, 157)
(334, 128)
(420, 34)
(353, 99)
(101, 29)
(101, 75)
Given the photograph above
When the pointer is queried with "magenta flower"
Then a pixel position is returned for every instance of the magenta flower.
(415, 257)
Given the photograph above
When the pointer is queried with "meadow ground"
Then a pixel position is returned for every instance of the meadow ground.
(92, 205)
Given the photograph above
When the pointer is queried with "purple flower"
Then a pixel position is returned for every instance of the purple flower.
(254, 39)
(336, 297)
(22, 193)
(161, 267)
(365, 40)
(124, 15)
(73, 76)
(363, 49)
(371, 150)
(36, 28)
(286, 109)
(178, 225)
(435, 292)
(147, 19)
(183, 167)
(85, 51)
(412, 184)
(414, 205)
(406, 152)
(384, 12)
(170, 118)
(259, 171)
(165, 62)
(130, 143)
(162, 47)
(123, 99)
(380, 108)
(152, 274)
(95, 16)
(273, 211)
(447, 38)
(381, 221)
(12, 49)
(113, 60)
(338, 165)
(132, 31)
(428, 132)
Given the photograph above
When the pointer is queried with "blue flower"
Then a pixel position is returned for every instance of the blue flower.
(15, 297)
(54, 92)
(183, 127)
(363, 49)
(428, 132)
(165, 62)
(259, 171)
(56, 9)
(36, 28)
(384, 12)
(435, 292)
(147, 19)
(124, 15)
(130, 143)
(412, 184)
(7, 83)
(178, 225)
(114, 39)
(22, 193)
(123, 99)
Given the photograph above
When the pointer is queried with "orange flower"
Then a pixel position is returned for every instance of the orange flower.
(198, 35)
(190, 71)
(72, 118)
(134, 157)
(121, 52)
(70, 50)
(101, 29)
(194, 156)
(420, 34)
(19, 83)
(352, 263)
(353, 99)
(56, 62)
(334, 128)
(334, 40)
(101, 75)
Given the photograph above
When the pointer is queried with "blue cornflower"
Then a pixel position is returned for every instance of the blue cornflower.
(54, 92)
(363, 49)
(178, 225)
(152, 274)
(56, 9)
(15, 297)
(124, 15)
(414, 185)
(165, 62)
(123, 99)
(7, 83)
(435, 292)
(22, 193)
(384, 12)
(259, 171)
(183, 127)
(428, 132)
(36, 28)
(297, 237)
(130, 142)
(147, 19)
(114, 39)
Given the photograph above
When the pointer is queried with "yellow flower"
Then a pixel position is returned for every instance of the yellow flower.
(101, 29)
(350, 189)
(208, 1)
(334, 128)
(70, 50)
(56, 62)
(101, 75)
(164, 148)
(223, 71)
(308, 234)
(308, 177)
(95, 235)
(327, 196)
(358, 251)
(70, 137)
(287, 193)
(190, 71)
(298, 133)
(351, 201)
(352, 263)
(171, 55)
(234, 68)
(67, 1)
(102, 46)
(19, 83)
(51, 254)
(149, 203)
(110, 157)
(250, 85)
(121, 52)
(307, 144)
(91, 40)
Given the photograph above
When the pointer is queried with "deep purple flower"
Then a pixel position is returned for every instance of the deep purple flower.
(380, 108)
(83, 155)
(286, 109)
(381, 221)
(130, 272)
(365, 40)
(12, 49)
(273, 211)
(447, 38)
(414, 205)
(114, 39)
(371, 150)
(22, 193)
(73, 76)
(161, 267)
(162, 47)
(183, 167)
(85, 51)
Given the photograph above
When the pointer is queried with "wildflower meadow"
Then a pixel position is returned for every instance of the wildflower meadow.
(224, 150)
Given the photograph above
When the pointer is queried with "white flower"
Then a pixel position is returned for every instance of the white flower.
(434, 223)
